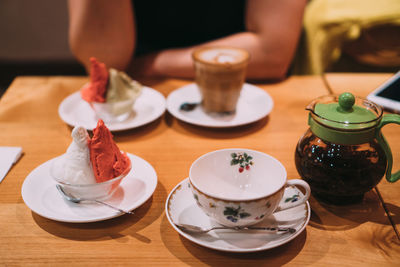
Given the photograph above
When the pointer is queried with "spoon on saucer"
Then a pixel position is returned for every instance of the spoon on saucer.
(199, 230)
(186, 106)
(78, 200)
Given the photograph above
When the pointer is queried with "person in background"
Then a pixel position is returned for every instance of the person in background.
(156, 38)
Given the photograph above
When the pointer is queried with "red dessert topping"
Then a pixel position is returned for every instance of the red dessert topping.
(96, 90)
(107, 160)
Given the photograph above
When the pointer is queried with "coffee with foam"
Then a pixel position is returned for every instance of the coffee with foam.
(222, 56)
(220, 74)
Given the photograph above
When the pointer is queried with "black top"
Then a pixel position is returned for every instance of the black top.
(179, 23)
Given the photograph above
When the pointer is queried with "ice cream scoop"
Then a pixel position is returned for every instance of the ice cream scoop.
(77, 166)
(106, 158)
(95, 91)
(121, 87)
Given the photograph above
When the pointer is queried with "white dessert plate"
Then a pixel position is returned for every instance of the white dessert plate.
(182, 208)
(149, 106)
(40, 194)
(254, 104)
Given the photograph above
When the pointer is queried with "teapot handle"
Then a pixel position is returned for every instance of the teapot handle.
(386, 119)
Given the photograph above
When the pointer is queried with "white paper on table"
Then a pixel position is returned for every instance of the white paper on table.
(8, 156)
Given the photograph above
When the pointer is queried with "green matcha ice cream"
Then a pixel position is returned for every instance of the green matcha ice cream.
(121, 87)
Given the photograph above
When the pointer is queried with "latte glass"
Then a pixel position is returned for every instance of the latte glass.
(220, 73)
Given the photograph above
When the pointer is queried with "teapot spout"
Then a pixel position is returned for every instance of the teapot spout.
(311, 106)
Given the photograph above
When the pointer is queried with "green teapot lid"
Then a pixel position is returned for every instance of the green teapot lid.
(344, 119)
(344, 111)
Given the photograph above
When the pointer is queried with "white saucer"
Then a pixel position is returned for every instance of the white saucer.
(150, 105)
(254, 104)
(41, 196)
(182, 208)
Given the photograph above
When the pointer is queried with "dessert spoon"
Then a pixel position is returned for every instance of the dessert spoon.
(78, 200)
(186, 106)
(199, 230)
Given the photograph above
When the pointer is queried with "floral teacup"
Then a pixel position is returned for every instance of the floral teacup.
(240, 187)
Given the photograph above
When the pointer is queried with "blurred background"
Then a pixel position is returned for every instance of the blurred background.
(34, 40)
(338, 36)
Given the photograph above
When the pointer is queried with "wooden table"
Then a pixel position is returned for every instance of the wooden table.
(357, 235)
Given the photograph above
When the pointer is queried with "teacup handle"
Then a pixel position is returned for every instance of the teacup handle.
(299, 199)
(386, 119)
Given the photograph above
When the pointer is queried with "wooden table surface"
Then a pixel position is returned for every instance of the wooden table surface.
(358, 235)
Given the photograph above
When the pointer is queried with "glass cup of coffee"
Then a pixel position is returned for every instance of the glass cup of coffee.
(220, 73)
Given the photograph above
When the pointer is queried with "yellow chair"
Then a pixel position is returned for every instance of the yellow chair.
(366, 30)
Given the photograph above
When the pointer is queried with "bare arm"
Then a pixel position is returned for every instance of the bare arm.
(104, 29)
(273, 29)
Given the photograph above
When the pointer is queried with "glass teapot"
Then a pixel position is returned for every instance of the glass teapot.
(344, 154)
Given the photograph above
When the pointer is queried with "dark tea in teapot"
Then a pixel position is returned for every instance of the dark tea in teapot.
(339, 174)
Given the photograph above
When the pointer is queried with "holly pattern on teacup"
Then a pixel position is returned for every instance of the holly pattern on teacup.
(292, 199)
(196, 197)
(243, 159)
(234, 215)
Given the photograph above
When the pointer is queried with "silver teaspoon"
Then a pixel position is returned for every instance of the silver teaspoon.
(78, 200)
(199, 230)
